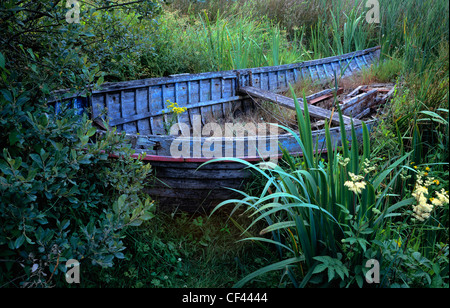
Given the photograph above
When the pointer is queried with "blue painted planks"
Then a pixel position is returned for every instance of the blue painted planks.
(142, 106)
(128, 104)
(216, 94)
(205, 95)
(156, 104)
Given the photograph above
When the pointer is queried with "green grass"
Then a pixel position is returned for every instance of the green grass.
(196, 43)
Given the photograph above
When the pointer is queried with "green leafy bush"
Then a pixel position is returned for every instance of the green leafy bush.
(61, 194)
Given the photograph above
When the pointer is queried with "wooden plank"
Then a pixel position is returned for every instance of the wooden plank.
(353, 64)
(98, 105)
(142, 106)
(296, 77)
(264, 84)
(359, 64)
(320, 99)
(273, 82)
(384, 90)
(388, 96)
(193, 97)
(161, 111)
(216, 94)
(160, 146)
(355, 91)
(155, 105)
(128, 102)
(177, 75)
(198, 166)
(113, 105)
(212, 174)
(181, 99)
(360, 97)
(382, 85)
(330, 70)
(290, 77)
(363, 113)
(205, 183)
(227, 89)
(320, 72)
(256, 80)
(367, 63)
(348, 69)
(289, 103)
(341, 57)
(322, 95)
(336, 68)
(206, 95)
(356, 104)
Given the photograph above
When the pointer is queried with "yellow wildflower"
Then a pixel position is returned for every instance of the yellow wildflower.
(442, 198)
(427, 168)
(343, 162)
(355, 177)
(355, 187)
(367, 166)
(356, 184)
(422, 209)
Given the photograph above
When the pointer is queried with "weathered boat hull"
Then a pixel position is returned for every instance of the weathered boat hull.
(139, 108)
(189, 178)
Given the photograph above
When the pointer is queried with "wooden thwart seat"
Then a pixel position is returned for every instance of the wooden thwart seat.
(287, 102)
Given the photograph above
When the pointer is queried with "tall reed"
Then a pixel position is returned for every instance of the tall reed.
(192, 44)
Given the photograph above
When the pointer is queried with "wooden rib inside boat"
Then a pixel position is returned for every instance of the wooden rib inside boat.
(141, 109)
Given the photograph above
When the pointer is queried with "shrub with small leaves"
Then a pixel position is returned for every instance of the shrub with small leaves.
(62, 195)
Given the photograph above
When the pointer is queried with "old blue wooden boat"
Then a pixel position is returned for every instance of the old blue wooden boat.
(140, 108)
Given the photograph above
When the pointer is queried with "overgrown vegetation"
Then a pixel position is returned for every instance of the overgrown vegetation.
(328, 218)
(61, 196)
(326, 231)
(321, 219)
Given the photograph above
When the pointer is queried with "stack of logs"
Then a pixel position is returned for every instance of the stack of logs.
(361, 101)
(358, 104)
